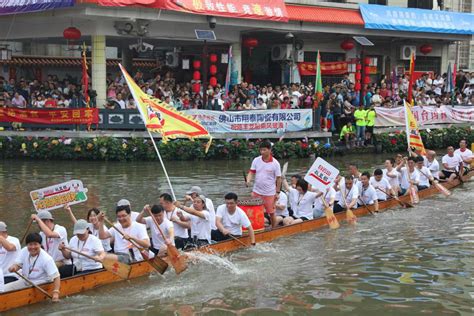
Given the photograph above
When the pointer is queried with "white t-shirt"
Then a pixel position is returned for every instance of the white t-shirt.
(200, 227)
(318, 203)
(453, 162)
(7, 258)
(368, 194)
(282, 200)
(212, 213)
(2, 285)
(51, 245)
(105, 242)
(233, 223)
(415, 177)
(293, 199)
(383, 184)
(463, 154)
(304, 204)
(423, 179)
(135, 230)
(40, 269)
(266, 174)
(433, 166)
(156, 238)
(352, 194)
(92, 246)
(179, 231)
(395, 181)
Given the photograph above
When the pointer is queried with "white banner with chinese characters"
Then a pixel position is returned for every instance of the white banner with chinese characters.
(266, 121)
(427, 115)
(56, 196)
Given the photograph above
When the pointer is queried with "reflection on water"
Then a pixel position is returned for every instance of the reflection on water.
(412, 261)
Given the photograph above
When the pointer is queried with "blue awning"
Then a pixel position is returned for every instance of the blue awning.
(24, 6)
(382, 17)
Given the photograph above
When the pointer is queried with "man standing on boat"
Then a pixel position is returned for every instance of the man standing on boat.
(267, 179)
(9, 249)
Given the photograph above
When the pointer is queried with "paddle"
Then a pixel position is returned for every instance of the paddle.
(34, 285)
(157, 263)
(460, 171)
(245, 178)
(415, 199)
(403, 204)
(237, 240)
(26, 231)
(331, 219)
(366, 206)
(438, 186)
(350, 217)
(177, 261)
(114, 266)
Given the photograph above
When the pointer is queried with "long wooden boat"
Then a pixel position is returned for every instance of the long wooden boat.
(84, 282)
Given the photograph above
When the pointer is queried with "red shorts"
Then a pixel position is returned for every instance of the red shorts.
(268, 202)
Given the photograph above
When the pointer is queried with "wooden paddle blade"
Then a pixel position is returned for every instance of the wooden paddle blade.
(158, 264)
(415, 199)
(350, 217)
(116, 267)
(441, 188)
(178, 261)
(332, 220)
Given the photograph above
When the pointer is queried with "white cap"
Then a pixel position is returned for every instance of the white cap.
(123, 202)
(43, 215)
(194, 189)
(80, 227)
(3, 227)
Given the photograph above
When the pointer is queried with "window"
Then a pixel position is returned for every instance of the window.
(380, 2)
(421, 4)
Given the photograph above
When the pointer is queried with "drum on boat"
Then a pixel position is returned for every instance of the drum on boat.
(254, 209)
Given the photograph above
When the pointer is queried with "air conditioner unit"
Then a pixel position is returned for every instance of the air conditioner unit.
(406, 51)
(172, 59)
(282, 52)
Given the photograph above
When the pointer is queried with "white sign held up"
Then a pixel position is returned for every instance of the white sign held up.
(321, 174)
(56, 196)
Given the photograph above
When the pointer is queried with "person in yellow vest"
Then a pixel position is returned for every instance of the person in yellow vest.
(348, 134)
(360, 116)
(369, 129)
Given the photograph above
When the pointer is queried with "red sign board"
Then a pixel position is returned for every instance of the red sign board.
(274, 10)
(42, 116)
(327, 68)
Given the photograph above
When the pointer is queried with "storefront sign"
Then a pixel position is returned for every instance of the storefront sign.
(274, 10)
(425, 115)
(327, 68)
(44, 116)
(254, 121)
(321, 174)
(56, 196)
(23, 6)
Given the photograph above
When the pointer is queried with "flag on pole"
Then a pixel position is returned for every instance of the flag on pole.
(164, 119)
(318, 89)
(85, 76)
(413, 134)
(410, 84)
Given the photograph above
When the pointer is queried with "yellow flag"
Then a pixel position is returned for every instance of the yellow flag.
(163, 118)
(413, 134)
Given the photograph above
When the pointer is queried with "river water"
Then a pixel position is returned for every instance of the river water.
(410, 262)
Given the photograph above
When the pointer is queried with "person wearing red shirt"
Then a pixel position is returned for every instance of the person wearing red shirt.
(285, 104)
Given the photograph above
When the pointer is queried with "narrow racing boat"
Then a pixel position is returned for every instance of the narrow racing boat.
(84, 282)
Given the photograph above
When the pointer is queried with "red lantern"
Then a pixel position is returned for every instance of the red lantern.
(358, 67)
(347, 45)
(366, 61)
(366, 80)
(213, 69)
(426, 49)
(196, 75)
(72, 33)
(358, 76)
(367, 70)
(357, 86)
(213, 58)
(196, 87)
(213, 81)
(196, 64)
(250, 42)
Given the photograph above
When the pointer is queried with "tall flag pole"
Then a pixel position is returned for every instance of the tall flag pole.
(413, 134)
(318, 93)
(410, 84)
(164, 119)
(85, 76)
(227, 76)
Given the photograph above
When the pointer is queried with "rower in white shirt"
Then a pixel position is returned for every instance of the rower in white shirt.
(392, 175)
(349, 194)
(304, 206)
(431, 163)
(181, 235)
(200, 218)
(159, 246)
(281, 207)
(367, 193)
(451, 164)
(9, 251)
(318, 206)
(381, 186)
(464, 153)
(425, 174)
(410, 175)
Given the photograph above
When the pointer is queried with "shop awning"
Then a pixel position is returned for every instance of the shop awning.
(69, 62)
(273, 10)
(15, 7)
(382, 17)
(324, 15)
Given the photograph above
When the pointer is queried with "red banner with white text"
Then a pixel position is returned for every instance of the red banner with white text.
(273, 10)
(327, 68)
(46, 116)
